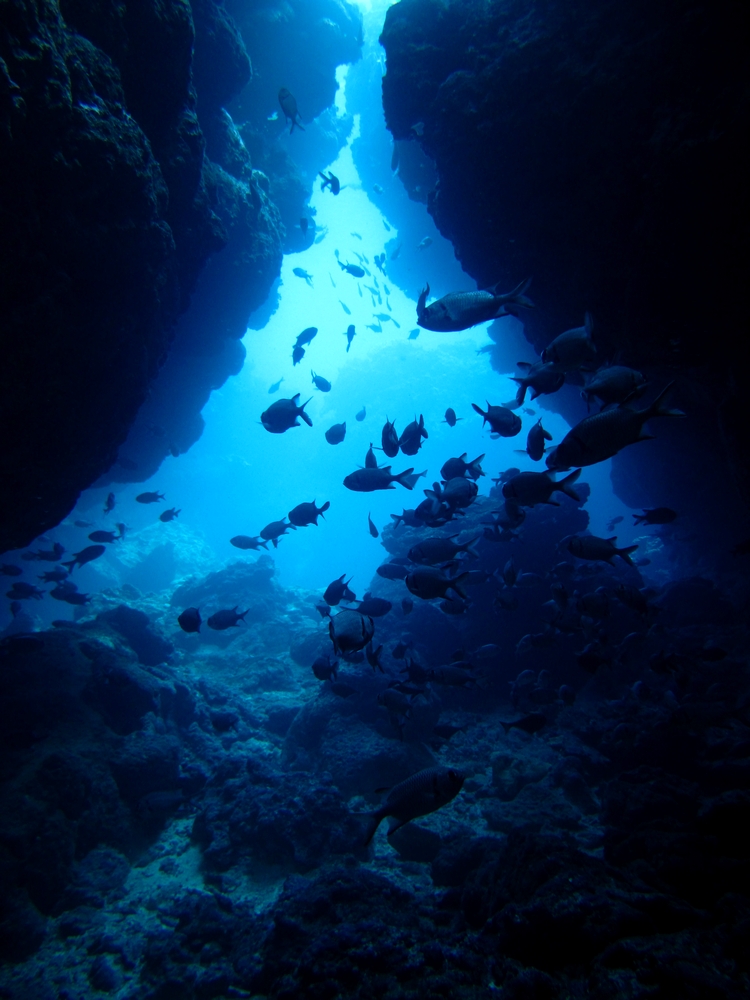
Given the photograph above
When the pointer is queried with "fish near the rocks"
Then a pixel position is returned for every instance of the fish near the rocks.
(190, 620)
(501, 420)
(542, 378)
(350, 631)
(338, 591)
(104, 536)
(282, 415)
(371, 527)
(369, 480)
(300, 272)
(306, 337)
(375, 607)
(601, 435)
(248, 542)
(167, 515)
(599, 549)
(350, 335)
(572, 349)
(273, 531)
(149, 497)
(530, 488)
(535, 441)
(288, 104)
(298, 354)
(429, 583)
(421, 794)
(460, 467)
(433, 551)
(221, 620)
(86, 555)
(657, 515)
(324, 670)
(354, 269)
(614, 384)
(331, 181)
(462, 310)
(307, 513)
(392, 571)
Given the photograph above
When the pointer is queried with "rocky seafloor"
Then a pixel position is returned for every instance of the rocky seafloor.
(181, 814)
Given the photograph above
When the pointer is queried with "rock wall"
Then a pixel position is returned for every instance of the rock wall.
(597, 147)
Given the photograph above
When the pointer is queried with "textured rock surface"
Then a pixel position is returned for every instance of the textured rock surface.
(598, 148)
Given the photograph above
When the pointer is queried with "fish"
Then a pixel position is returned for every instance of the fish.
(527, 489)
(407, 605)
(411, 437)
(345, 307)
(460, 467)
(614, 384)
(354, 269)
(288, 104)
(330, 276)
(373, 530)
(377, 189)
(24, 591)
(222, 620)
(392, 571)
(424, 243)
(357, 235)
(305, 514)
(360, 416)
(298, 354)
(46, 555)
(616, 520)
(395, 253)
(412, 479)
(110, 503)
(331, 181)
(501, 420)
(304, 225)
(572, 349)
(300, 272)
(429, 583)
(306, 337)
(324, 670)
(338, 591)
(535, 441)
(599, 549)
(529, 723)
(149, 497)
(434, 551)
(369, 480)
(248, 542)
(375, 327)
(422, 793)
(542, 378)
(86, 555)
(274, 530)
(83, 524)
(336, 433)
(373, 656)
(350, 334)
(323, 610)
(167, 515)
(350, 631)
(68, 592)
(275, 387)
(375, 607)
(282, 415)
(657, 515)
(54, 576)
(413, 334)
(320, 383)
(384, 317)
(190, 620)
(462, 310)
(602, 435)
(104, 536)
(450, 413)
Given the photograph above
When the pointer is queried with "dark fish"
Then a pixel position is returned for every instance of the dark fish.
(375, 607)
(371, 461)
(369, 480)
(320, 383)
(411, 438)
(413, 334)
(395, 253)
(222, 620)
(282, 415)
(336, 433)
(273, 531)
(24, 591)
(324, 670)
(297, 355)
(54, 576)
(616, 520)
(373, 530)
(357, 235)
(109, 504)
(429, 583)
(389, 439)
(304, 223)
(460, 467)
(573, 348)
(461, 310)
(68, 592)
(350, 334)
(323, 610)
(375, 327)
(167, 515)
(338, 591)
(307, 513)
(248, 542)
(84, 524)
(350, 631)
(149, 497)
(190, 620)
(614, 384)
(392, 571)
(7, 569)
(657, 515)
(307, 335)
(373, 656)
(354, 269)
(450, 413)
(502, 420)
(535, 441)
(85, 556)
(529, 723)
(530, 488)
(330, 181)
(361, 415)
(104, 536)
(345, 307)
(601, 549)
(419, 795)
(300, 272)
(288, 104)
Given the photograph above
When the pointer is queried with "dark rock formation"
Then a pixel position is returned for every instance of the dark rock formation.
(599, 148)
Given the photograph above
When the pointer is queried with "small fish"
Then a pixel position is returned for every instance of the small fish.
(331, 181)
(414, 334)
(345, 307)
(369, 480)
(288, 104)
(246, 542)
(426, 242)
(502, 421)
(350, 631)
(300, 272)
(306, 337)
(25, 591)
(373, 656)
(375, 327)
(221, 620)
(359, 289)
(419, 795)
(354, 269)
(529, 411)
(167, 515)
(528, 489)
(391, 571)
(109, 504)
(190, 620)
(387, 227)
(86, 555)
(411, 437)
(8, 569)
(350, 334)
(356, 235)
(360, 416)
(455, 467)
(535, 441)
(149, 497)
(599, 549)
(657, 515)
(331, 277)
(297, 355)
(374, 607)
(389, 439)
(275, 386)
(324, 670)
(104, 536)
(336, 433)
(377, 189)
(615, 521)
(373, 530)
(450, 417)
(320, 383)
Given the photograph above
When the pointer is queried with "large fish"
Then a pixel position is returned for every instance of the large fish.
(369, 480)
(461, 310)
(282, 415)
(419, 795)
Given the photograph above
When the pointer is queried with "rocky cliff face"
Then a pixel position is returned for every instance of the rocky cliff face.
(598, 148)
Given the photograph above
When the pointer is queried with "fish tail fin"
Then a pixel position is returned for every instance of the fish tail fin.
(422, 301)
(507, 726)
(302, 413)
(264, 543)
(325, 507)
(456, 584)
(521, 394)
(639, 518)
(566, 485)
(625, 553)
(401, 478)
(517, 297)
(71, 564)
(469, 547)
(373, 822)
(659, 408)
(479, 410)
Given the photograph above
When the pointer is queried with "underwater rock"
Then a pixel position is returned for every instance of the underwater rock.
(137, 631)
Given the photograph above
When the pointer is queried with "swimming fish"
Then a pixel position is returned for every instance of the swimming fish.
(350, 334)
(275, 387)
(462, 310)
(336, 433)
(421, 794)
(282, 415)
(302, 273)
(222, 620)
(149, 497)
(288, 104)
(331, 181)
(305, 514)
(320, 383)
(369, 480)
(373, 530)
